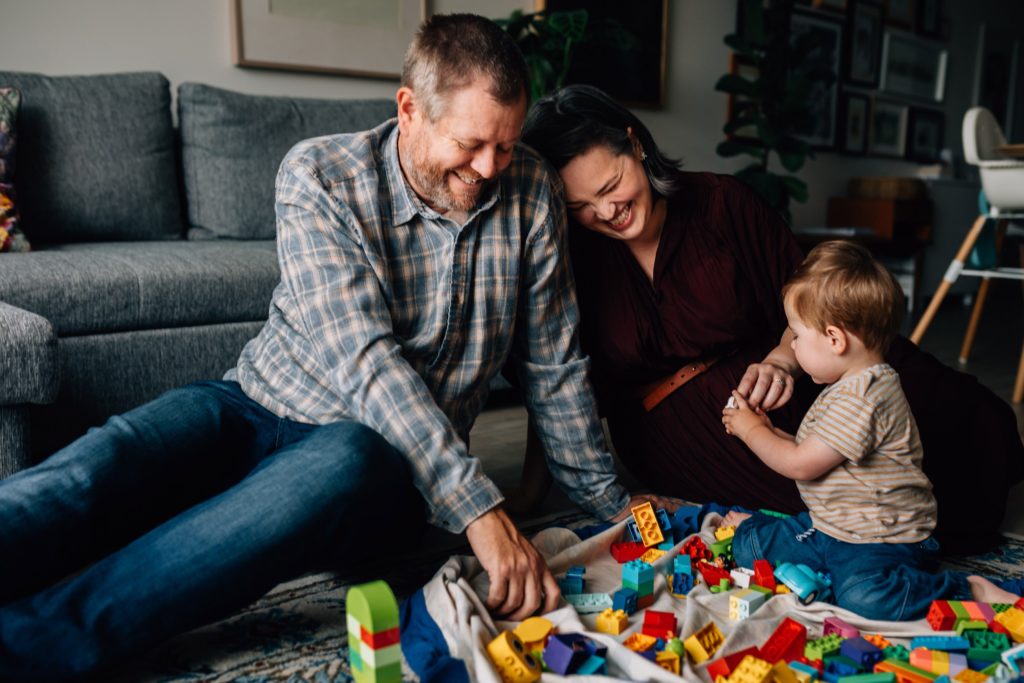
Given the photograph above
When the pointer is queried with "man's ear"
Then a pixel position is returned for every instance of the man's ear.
(407, 108)
(838, 340)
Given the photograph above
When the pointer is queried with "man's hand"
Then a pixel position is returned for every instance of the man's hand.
(520, 579)
(670, 504)
(741, 420)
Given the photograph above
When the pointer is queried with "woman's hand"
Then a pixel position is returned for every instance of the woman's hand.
(766, 385)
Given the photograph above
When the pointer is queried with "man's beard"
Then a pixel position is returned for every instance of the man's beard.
(432, 180)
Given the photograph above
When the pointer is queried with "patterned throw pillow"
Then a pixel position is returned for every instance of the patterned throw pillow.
(11, 237)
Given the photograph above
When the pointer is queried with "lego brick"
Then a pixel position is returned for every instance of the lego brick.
(667, 544)
(722, 547)
(647, 524)
(680, 583)
(612, 621)
(638, 642)
(945, 643)
(625, 552)
(696, 549)
(781, 673)
(652, 555)
(703, 644)
(593, 665)
(1014, 658)
(899, 652)
(633, 532)
(624, 599)
(534, 633)
(987, 640)
(823, 647)
(377, 658)
(570, 585)
(645, 601)
(905, 672)
(711, 574)
(941, 616)
(938, 661)
(510, 658)
(1013, 621)
(764, 575)
(787, 642)
(589, 603)
(744, 602)
(741, 576)
(657, 623)
(837, 625)
(805, 673)
(840, 666)
(963, 627)
(723, 666)
(371, 615)
(884, 677)
(861, 651)
(664, 522)
(668, 660)
(373, 605)
(638, 572)
(380, 639)
(969, 676)
(724, 532)
(681, 564)
(876, 639)
(751, 670)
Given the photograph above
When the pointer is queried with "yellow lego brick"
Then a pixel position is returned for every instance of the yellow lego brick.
(970, 676)
(781, 673)
(751, 670)
(612, 621)
(781, 588)
(652, 554)
(647, 525)
(724, 532)
(534, 633)
(1013, 620)
(668, 660)
(703, 644)
(640, 642)
(510, 658)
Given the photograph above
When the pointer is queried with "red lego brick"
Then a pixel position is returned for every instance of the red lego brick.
(712, 574)
(379, 639)
(786, 644)
(627, 551)
(657, 623)
(725, 665)
(764, 575)
(941, 616)
(696, 549)
(816, 663)
(996, 627)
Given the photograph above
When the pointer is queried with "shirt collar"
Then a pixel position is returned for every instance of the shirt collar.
(405, 203)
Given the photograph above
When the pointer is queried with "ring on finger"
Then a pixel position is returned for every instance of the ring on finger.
(781, 381)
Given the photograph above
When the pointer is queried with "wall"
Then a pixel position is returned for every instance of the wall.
(188, 40)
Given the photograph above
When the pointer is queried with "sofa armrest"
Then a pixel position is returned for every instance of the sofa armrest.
(29, 367)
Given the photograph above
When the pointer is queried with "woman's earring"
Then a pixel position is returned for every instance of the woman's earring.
(643, 155)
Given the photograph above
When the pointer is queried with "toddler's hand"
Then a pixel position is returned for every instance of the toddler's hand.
(739, 421)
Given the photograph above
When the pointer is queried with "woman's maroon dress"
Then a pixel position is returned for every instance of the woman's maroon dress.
(720, 266)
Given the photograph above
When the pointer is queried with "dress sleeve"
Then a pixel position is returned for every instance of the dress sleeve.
(340, 309)
(763, 243)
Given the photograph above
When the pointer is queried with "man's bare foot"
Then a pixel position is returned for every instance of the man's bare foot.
(984, 590)
(734, 518)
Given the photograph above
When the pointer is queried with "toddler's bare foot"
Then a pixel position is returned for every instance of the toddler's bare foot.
(734, 518)
(984, 590)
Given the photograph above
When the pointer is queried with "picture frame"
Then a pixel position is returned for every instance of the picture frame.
(364, 38)
(745, 68)
(854, 124)
(824, 99)
(864, 31)
(899, 13)
(925, 131)
(888, 131)
(631, 71)
(912, 67)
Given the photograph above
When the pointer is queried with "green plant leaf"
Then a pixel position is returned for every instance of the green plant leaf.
(571, 24)
(797, 188)
(737, 85)
(742, 121)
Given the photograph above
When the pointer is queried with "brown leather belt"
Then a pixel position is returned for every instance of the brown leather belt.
(657, 391)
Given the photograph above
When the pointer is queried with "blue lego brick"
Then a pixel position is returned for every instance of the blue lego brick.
(589, 603)
(681, 565)
(642, 589)
(681, 583)
(861, 651)
(668, 543)
(625, 599)
(633, 532)
(637, 572)
(944, 643)
(593, 665)
(661, 514)
(576, 571)
(570, 585)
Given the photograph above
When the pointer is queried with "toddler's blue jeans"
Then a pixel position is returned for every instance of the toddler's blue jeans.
(178, 513)
(888, 581)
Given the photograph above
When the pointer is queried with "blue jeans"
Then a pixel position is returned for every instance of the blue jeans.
(876, 580)
(178, 513)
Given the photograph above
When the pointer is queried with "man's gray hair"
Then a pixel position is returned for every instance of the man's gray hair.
(451, 50)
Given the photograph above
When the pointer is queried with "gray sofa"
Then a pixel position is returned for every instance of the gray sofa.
(153, 254)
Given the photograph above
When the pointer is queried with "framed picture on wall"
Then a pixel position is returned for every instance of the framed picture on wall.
(749, 71)
(354, 38)
(853, 127)
(864, 43)
(913, 67)
(827, 35)
(626, 51)
(888, 131)
(899, 13)
(925, 131)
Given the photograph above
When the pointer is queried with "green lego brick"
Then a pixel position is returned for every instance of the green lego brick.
(823, 647)
(899, 652)
(373, 605)
(886, 677)
(987, 640)
(998, 607)
(963, 627)
(959, 610)
(773, 513)
(392, 673)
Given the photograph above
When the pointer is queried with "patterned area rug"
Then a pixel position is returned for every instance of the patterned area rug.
(296, 633)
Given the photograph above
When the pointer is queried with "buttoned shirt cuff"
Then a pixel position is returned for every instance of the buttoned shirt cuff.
(610, 503)
(465, 505)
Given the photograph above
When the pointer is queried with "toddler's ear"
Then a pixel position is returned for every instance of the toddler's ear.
(838, 340)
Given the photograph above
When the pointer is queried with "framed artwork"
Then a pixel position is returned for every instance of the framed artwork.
(854, 124)
(864, 43)
(737, 103)
(353, 38)
(900, 13)
(913, 67)
(626, 53)
(888, 132)
(823, 99)
(925, 131)
(929, 18)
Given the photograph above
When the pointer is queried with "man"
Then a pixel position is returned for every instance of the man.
(409, 253)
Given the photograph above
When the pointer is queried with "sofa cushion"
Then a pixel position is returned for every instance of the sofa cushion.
(116, 286)
(232, 145)
(11, 237)
(96, 157)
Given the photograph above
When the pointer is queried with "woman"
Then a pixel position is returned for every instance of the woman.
(678, 277)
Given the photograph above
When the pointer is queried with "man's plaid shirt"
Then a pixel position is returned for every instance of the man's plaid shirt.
(389, 314)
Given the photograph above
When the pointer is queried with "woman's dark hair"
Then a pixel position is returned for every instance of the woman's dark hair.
(577, 118)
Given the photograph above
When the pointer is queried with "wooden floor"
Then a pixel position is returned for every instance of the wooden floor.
(499, 435)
